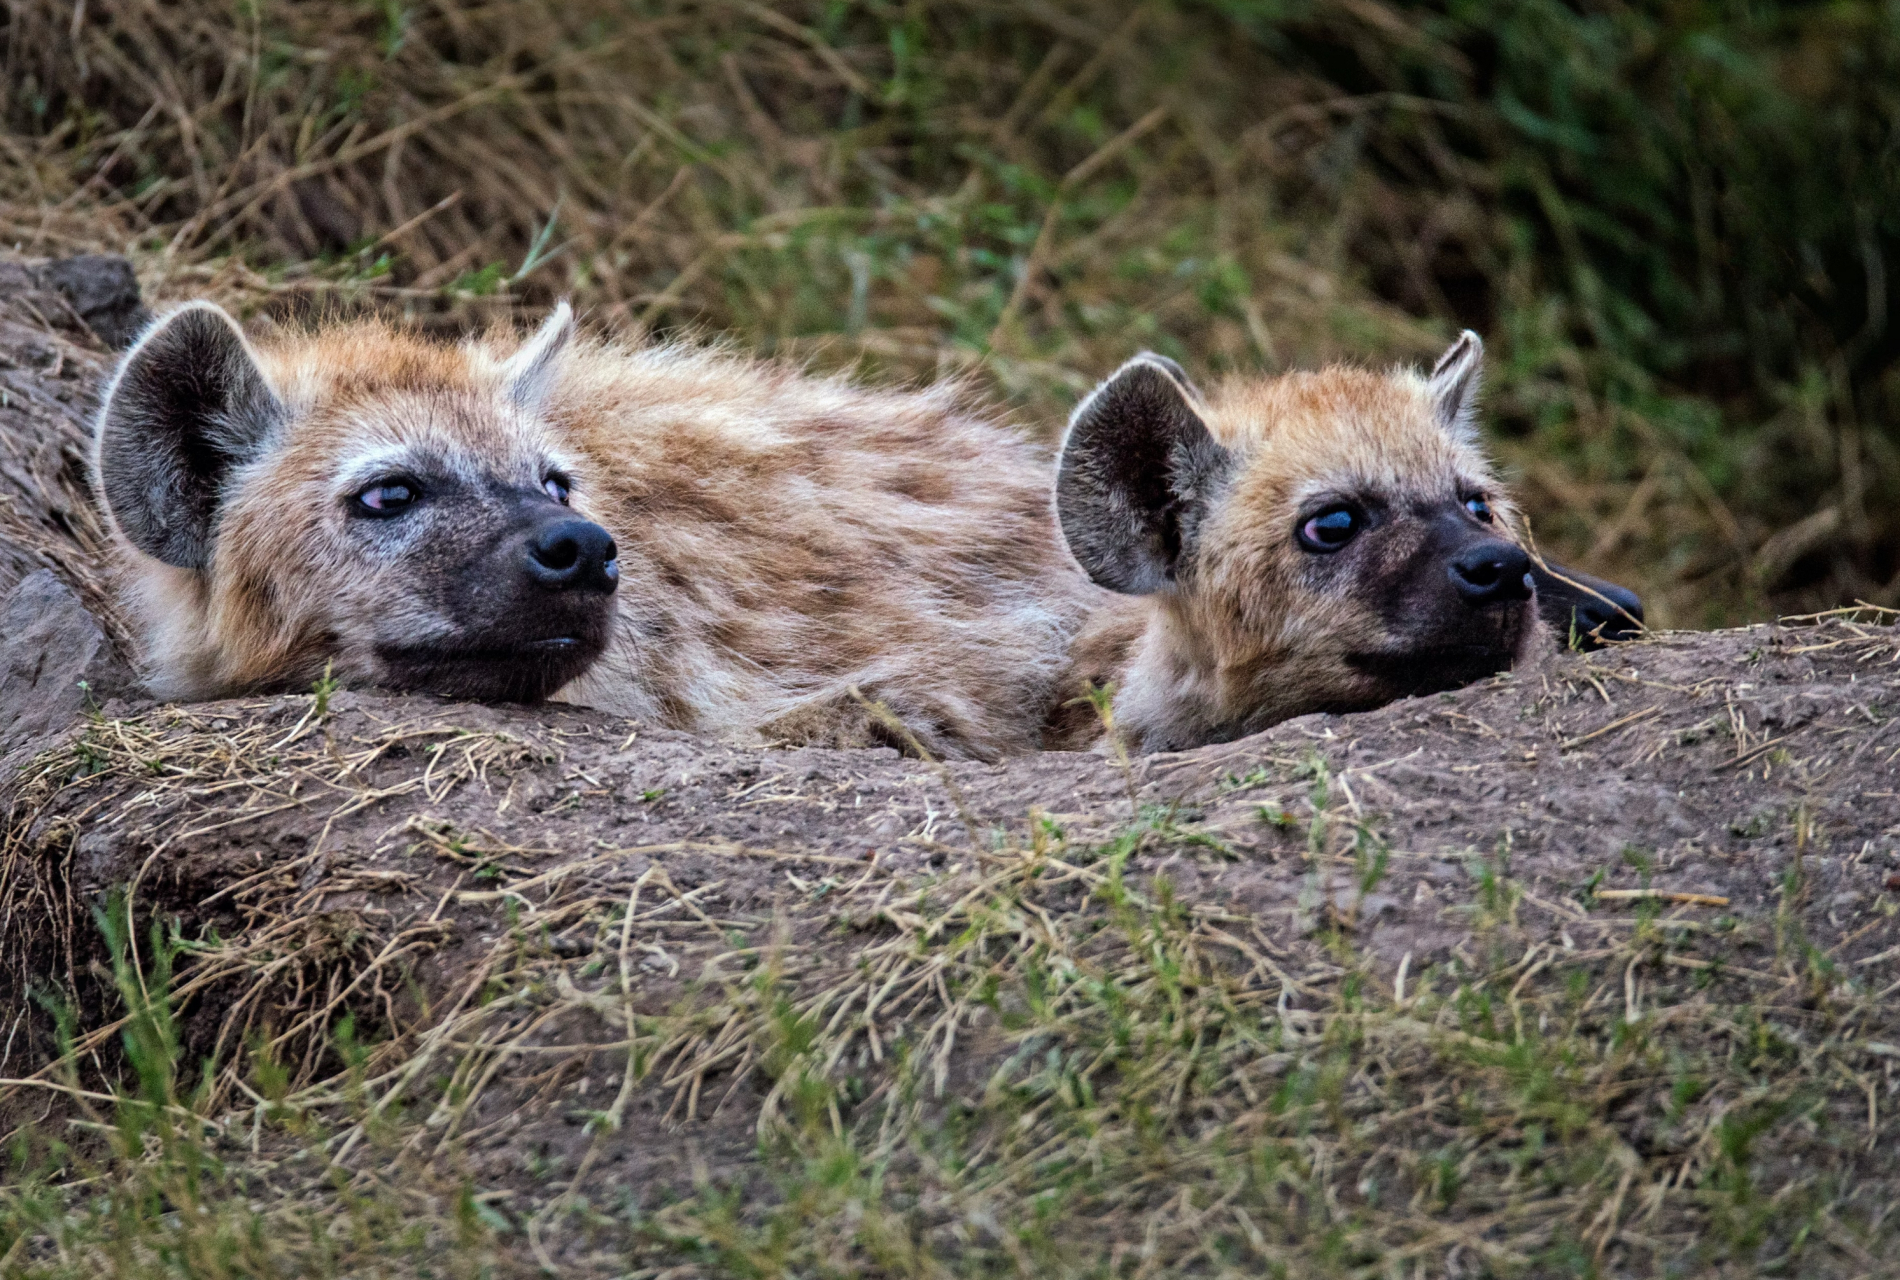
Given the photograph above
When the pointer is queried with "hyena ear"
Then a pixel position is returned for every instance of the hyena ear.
(1137, 473)
(188, 405)
(529, 373)
(1454, 387)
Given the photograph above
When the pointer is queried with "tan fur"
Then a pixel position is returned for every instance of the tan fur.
(782, 539)
(1246, 637)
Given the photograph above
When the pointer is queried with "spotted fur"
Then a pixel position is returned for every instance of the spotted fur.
(1216, 621)
(782, 539)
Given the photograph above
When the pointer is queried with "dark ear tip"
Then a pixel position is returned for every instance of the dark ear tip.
(1166, 364)
(192, 324)
(207, 317)
(1147, 365)
(199, 311)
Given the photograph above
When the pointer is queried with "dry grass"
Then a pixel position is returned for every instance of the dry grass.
(1035, 191)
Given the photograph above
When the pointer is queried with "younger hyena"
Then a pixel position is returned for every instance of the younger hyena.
(697, 540)
(1322, 541)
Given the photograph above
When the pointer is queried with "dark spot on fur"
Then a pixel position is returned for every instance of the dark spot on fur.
(922, 484)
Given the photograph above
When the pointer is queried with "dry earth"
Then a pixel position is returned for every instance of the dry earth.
(406, 860)
(1700, 764)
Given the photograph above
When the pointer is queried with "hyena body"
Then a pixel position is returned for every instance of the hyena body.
(697, 540)
(1330, 540)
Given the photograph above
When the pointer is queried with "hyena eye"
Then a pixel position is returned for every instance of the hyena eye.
(1331, 529)
(1479, 508)
(556, 487)
(389, 498)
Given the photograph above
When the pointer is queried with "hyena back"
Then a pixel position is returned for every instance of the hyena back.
(1318, 541)
(697, 540)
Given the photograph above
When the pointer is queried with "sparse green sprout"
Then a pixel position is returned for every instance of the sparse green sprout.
(1371, 857)
(321, 691)
(1275, 815)
(1587, 895)
(481, 283)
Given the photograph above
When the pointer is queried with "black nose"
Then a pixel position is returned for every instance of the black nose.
(1584, 610)
(1492, 573)
(1620, 613)
(575, 555)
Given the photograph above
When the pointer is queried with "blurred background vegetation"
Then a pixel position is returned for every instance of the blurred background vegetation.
(1670, 221)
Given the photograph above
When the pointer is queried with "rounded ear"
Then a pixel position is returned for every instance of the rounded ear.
(528, 374)
(188, 404)
(1137, 475)
(1174, 370)
(1454, 387)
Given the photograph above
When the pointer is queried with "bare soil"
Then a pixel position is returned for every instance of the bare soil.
(53, 364)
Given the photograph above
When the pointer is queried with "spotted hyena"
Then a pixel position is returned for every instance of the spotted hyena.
(687, 537)
(1326, 540)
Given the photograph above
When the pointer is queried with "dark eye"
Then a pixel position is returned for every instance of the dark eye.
(556, 487)
(1478, 507)
(1331, 529)
(389, 498)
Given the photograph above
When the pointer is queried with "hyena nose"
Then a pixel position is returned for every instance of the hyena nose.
(574, 555)
(1492, 573)
(1585, 610)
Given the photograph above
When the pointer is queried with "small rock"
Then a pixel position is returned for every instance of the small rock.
(52, 644)
(105, 292)
(95, 291)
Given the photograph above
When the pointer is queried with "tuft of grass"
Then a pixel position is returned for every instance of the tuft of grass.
(150, 1179)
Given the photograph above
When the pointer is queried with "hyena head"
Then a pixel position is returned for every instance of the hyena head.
(359, 497)
(1315, 541)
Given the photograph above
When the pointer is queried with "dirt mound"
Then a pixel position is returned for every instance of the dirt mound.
(591, 959)
(59, 323)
